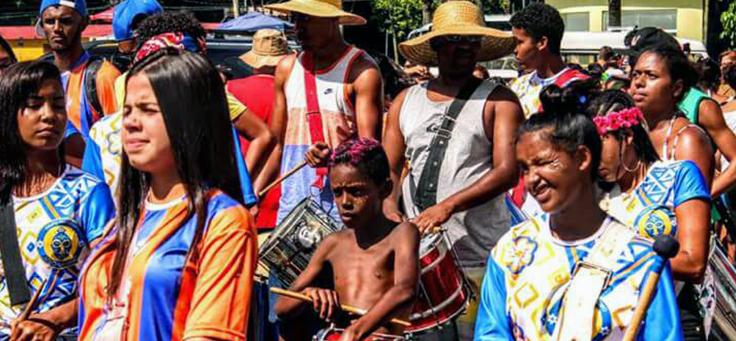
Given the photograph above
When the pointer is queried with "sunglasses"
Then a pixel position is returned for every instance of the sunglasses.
(300, 17)
(455, 39)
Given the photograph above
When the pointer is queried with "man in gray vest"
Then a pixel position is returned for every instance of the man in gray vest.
(458, 134)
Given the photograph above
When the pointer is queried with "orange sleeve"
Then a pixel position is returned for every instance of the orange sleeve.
(105, 82)
(222, 292)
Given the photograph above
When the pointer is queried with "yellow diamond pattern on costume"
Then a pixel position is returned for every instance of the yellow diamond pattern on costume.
(538, 269)
(52, 230)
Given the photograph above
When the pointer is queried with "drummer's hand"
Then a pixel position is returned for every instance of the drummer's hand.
(318, 155)
(325, 302)
(349, 335)
(32, 329)
(433, 217)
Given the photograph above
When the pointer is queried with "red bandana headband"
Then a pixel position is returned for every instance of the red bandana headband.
(616, 120)
(175, 40)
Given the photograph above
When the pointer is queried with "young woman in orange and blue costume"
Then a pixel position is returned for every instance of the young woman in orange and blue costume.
(179, 261)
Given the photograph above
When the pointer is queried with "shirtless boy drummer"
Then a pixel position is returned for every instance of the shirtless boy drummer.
(374, 261)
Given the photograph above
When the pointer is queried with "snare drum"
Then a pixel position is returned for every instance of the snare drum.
(333, 333)
(290, 247)
(443, 290)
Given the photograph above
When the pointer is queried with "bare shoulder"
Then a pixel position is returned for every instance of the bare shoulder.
(708, 104)
(503, 94)
(711, 115)
(692, 135)
(406, 231)
(286, 64)
(365, 69)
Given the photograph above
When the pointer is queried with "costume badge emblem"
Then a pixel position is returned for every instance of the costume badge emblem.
(60, 243)
(654, 221)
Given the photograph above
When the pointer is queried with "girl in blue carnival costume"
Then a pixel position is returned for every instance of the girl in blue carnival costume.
(59, 210)
(657, 197)
(539, 265)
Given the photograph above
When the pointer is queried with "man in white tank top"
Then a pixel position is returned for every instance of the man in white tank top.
(349, 98)
(349, 92)
(479, 163)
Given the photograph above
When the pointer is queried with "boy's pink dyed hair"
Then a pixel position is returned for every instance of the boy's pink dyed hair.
(365, 154)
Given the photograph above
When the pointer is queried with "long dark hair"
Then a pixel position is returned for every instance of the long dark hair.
(5, 46)
(617, 100)
(194, 108)
(17, 83)
(569, 124)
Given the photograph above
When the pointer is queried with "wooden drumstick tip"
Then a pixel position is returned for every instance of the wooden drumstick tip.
(281, 179)
(357, 311)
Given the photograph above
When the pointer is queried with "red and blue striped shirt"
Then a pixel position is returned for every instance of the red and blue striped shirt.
(168, 299)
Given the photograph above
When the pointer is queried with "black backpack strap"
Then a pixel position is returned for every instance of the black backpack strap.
(90, 84)
(424, 194)
(15, 273)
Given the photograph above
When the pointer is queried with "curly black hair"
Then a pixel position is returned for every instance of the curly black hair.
(168, 22)
(564, 114)
(541, 20)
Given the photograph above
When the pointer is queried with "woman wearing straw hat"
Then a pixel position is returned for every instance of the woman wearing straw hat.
(477, 164)
(345, 98)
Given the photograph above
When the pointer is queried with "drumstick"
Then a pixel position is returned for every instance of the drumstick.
(666, 247)
(32, 303)
(281, 179)
(347, 308)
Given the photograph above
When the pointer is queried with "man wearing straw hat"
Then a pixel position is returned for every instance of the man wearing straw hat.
(324, 95)
(458, 129)
(257, 93)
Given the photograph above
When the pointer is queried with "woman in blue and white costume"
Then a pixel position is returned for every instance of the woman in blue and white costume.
(572, 272)
(59, 210)
(658, 197)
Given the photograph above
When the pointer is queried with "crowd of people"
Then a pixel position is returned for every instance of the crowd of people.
(334, 196)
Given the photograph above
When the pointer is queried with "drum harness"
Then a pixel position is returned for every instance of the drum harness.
(590, 278)
(15, 273)
(429, 178)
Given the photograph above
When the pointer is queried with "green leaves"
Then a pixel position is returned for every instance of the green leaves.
(403, 16)
(728, 20)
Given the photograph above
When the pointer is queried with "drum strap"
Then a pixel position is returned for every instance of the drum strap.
(424, 194)
(589, 279)
(15, 273)
(314, 115)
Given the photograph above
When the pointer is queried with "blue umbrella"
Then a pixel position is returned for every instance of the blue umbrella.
(254, 21)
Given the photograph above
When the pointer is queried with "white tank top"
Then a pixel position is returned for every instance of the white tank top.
(338, 123)
(469, 156)
(334, 104)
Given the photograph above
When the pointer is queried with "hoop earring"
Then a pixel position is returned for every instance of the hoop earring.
(623, 164)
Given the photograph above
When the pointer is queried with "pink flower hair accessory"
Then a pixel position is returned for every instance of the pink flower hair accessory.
(616, 120)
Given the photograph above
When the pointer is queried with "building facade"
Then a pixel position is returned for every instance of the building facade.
(682, 18)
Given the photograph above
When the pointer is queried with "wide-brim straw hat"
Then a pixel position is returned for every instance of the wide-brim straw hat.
(319, 8)
(269, 47)
(461, 18)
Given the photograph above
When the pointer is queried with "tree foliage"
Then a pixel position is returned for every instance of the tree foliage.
(403, 16)
(728, 20)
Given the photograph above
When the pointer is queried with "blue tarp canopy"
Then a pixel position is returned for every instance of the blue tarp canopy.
(254, 21)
